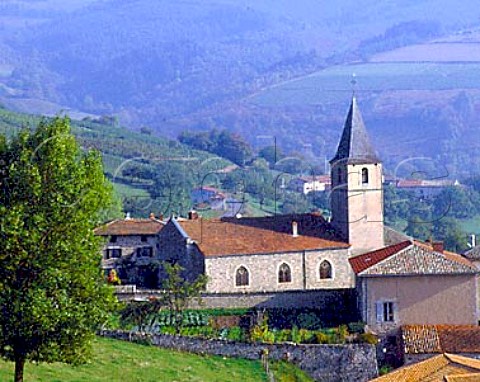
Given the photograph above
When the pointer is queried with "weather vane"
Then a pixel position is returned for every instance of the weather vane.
(353, 82)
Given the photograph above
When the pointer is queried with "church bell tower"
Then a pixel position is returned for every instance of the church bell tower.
(357, 194)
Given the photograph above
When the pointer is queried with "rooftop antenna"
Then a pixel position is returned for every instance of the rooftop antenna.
(354, 84)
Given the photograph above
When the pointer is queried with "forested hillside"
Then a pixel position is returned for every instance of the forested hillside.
(150, 174)
(260, 68)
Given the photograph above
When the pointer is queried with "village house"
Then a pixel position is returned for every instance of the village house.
(131, 245)
(352, 267)
(307, 184)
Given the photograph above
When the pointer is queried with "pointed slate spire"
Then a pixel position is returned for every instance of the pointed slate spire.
(355, 146)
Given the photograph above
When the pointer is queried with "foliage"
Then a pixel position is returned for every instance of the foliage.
(179, 292)
(309, 321)
(356, 327)
(368, 338)
(52, 294)
(385, 370)
(145, 363)
(272, 154)
(144, 180)
(222, 143)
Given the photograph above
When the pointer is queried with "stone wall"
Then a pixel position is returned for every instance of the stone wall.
(263, 271)
(131, 268)
(325, 363)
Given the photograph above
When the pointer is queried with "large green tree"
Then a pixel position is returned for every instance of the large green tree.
(52, 293)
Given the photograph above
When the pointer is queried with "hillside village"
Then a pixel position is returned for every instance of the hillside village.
(347, 267)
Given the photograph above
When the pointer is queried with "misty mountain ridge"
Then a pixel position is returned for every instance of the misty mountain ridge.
(275, 67)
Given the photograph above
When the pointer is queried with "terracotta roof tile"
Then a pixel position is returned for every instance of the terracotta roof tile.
(362, 262)
(422, 339)
(232, 236)
(473, 254)
(409, 258)
(434, 369)
(128, 227)
(473, 377)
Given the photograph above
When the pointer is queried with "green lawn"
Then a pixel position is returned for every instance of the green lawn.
(123, 361)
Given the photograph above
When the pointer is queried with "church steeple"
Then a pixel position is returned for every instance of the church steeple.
(357, 197)
(355, 146)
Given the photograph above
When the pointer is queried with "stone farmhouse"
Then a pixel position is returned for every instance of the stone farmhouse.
(352, 268)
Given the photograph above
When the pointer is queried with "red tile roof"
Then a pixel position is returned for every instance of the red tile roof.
(233, 236)
(129, 227)
(365, 261)
(434, 369)
(410, 258)
(421, 339)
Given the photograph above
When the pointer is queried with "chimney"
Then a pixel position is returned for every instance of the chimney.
(294, 229)
(127, 217)
(192, 215)
(437, 246)
(473, 240)
(152, 216)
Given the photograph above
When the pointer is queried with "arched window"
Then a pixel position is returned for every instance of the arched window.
(325, 270)
(284, 274)
(241, 277)
(364, 176)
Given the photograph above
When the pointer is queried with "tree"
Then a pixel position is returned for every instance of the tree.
(52, 293)
(179, 292)
(448, 230)
(271, 154)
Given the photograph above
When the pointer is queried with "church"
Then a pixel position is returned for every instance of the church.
(352, 267)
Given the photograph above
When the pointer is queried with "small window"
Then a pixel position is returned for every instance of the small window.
(113, 239)
(284, 274)
(242, 277)
(114, 253)
(364, 176)
(143, 238)
(145, 251)
(386, 311)
(325, 270)
(339, 179)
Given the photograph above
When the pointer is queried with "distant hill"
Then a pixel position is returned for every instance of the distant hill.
(271, 67)
(136, 163)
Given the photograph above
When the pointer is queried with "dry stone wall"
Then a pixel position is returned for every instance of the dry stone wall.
(325, 363)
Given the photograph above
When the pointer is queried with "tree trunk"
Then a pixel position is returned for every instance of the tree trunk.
(19, 367)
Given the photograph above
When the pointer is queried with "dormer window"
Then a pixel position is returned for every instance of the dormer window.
(364, 176)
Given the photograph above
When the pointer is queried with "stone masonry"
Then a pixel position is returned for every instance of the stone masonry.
(324, 363)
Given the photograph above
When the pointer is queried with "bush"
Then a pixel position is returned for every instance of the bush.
(368, 338)
(324, 338)
(342, 334)
(309, 321)
(306, 336)
(356, 327)
(283, 335)
(235, 334)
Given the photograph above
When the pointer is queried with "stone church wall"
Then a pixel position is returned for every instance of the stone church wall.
(263, 271)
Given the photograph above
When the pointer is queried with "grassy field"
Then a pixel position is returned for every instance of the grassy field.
(122, 361)
(470, 226)
(333, 84)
